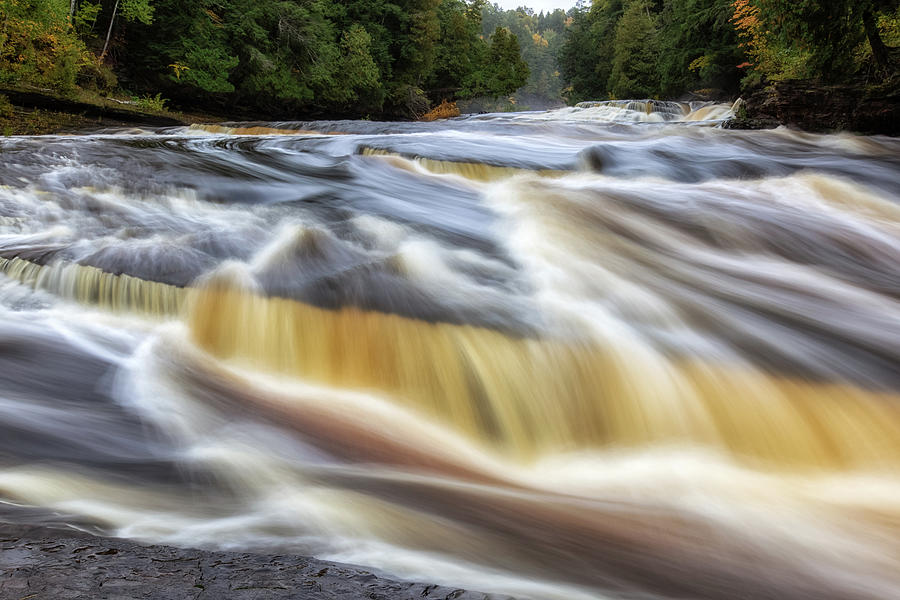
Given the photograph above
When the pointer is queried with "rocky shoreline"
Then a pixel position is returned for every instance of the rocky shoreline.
(800, 104)
(817, 108)
(65, 564)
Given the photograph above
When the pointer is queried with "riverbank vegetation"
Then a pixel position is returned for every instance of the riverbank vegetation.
(274, 57)
(663, 48)
(15, 121)
(401, 58)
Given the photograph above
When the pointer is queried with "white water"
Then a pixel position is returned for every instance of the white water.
(550, 355)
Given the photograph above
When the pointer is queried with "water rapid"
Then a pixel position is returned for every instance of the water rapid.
(611, 351)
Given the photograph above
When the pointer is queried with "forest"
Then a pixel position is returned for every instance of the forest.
(397, 58)
(663, 48)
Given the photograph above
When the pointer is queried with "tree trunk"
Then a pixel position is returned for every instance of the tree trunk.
(71, 10)
(879, 50)
(112, 20)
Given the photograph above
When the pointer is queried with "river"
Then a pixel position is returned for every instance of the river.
(607, 351)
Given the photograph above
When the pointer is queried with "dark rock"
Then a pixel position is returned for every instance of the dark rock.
(41, 562)
(815, 107)
(705, 95)
(744, 123)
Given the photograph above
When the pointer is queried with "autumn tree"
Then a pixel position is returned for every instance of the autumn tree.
(38, 45)
(810, 38)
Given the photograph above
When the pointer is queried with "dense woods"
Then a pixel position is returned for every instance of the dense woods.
(399, 57)
(663, 48)
(272, 56)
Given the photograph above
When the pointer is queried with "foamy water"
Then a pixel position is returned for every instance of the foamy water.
(608, 351)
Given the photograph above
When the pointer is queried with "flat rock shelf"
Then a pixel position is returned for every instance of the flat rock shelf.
(42, 562)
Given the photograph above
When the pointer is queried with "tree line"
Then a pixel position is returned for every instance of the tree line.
(396, 57)
(276, 57)
(663, 48)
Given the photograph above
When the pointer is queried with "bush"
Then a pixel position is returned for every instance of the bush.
(7, 111)
(153, 103)
(38, 46)
(444, 110)
(96, 76)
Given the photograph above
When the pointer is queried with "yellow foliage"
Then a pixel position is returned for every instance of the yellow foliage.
(700, 63)
(776, 62)
(749, 28)
(444, 110)
(179, 69)
(37, 48)
(215, 18)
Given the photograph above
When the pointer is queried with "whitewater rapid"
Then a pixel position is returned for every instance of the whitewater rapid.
(608, 351)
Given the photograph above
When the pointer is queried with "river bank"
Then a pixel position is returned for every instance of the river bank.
(63, 564)
(32, 111)
(818, 108)
(801, 105)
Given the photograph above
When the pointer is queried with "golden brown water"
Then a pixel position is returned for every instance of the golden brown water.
(527, 397)
(532, 354)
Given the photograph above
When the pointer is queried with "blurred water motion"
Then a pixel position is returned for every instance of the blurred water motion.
(609, 351)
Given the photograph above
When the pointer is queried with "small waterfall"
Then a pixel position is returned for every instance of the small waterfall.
(605, 351)
(89, 285)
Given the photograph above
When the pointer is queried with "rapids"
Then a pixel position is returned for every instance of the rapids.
(607, 351)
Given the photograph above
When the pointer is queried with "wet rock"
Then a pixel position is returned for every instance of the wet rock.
(739, 123)
(40, 562)
(811, 106)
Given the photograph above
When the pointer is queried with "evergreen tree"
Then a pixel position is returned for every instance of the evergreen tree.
(586, 56)
(698, 46)
(826, 33)
(635, 53)
(508, 71)
(358, 71)
(460, 51)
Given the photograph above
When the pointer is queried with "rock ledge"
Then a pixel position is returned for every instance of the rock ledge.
(40, 562)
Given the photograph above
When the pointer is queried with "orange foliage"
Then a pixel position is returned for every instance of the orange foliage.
(444, 110)
(749, 27)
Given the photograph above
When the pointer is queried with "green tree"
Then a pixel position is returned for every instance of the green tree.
(586, 56)
(132, 10)
(460, 50)
(508, 71)
(698, 46)
(635, 53)
(358, 70)
(419, 41)
(285, 57)
(827, 33)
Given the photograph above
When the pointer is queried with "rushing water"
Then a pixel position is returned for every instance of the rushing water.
(609, 351)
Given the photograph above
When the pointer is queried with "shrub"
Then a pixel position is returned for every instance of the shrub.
(96, 76)
(154, 103)
(38, 46)
(444, 110)
(6, 108)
